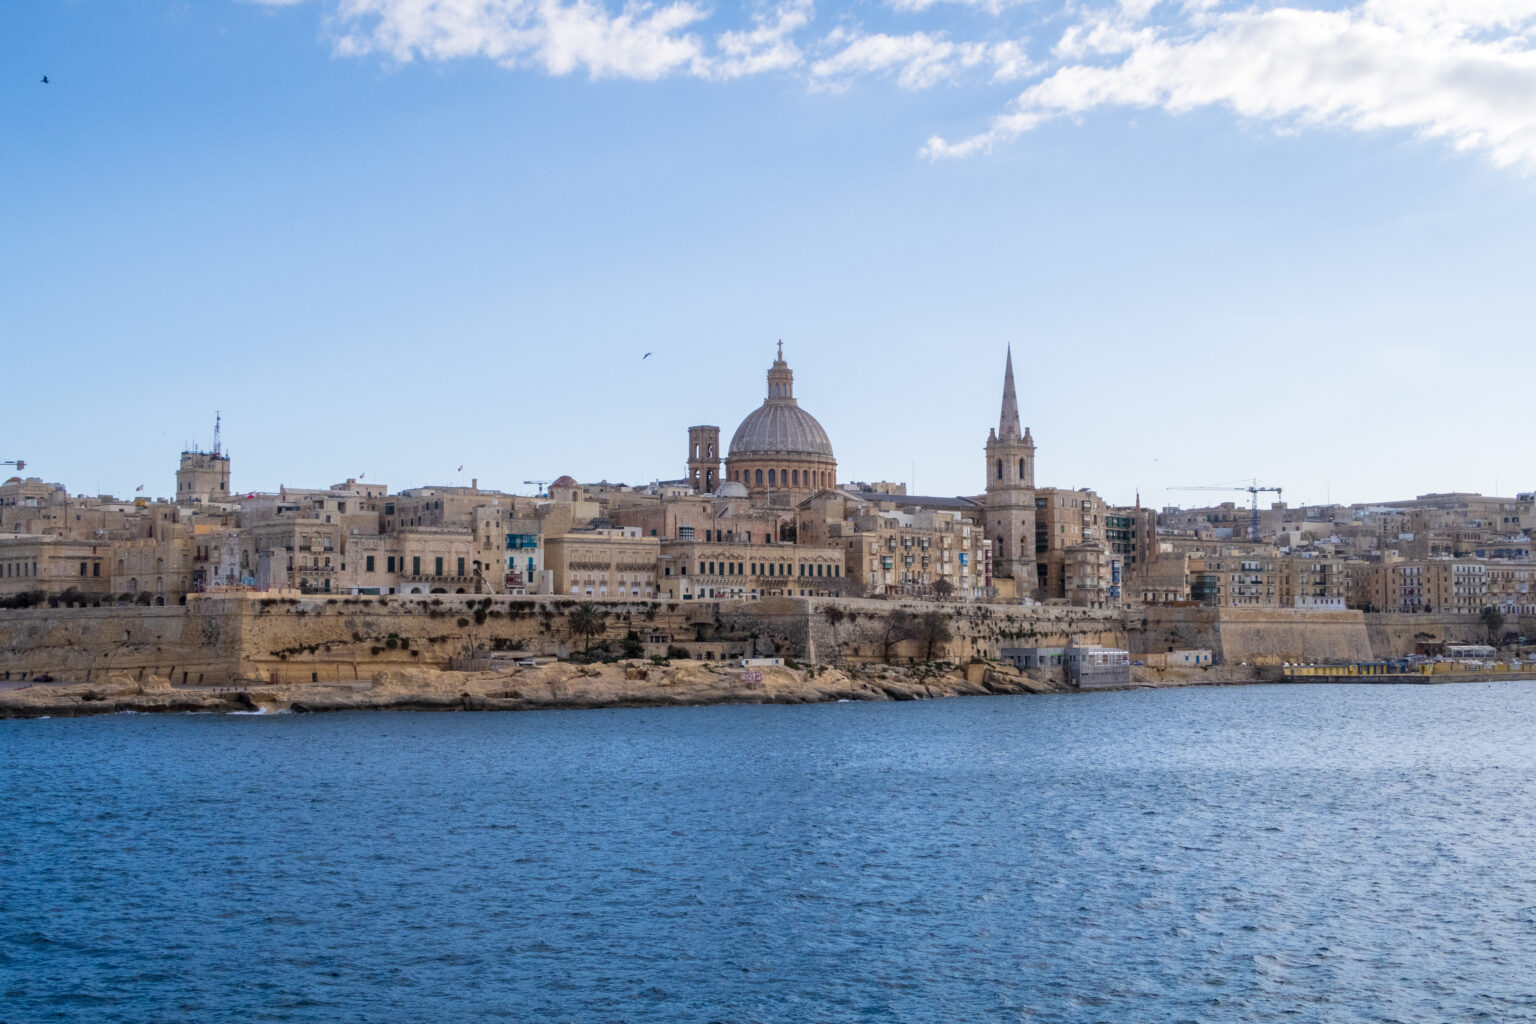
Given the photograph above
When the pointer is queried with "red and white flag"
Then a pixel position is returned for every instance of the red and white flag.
(138, 488)
(461, 469)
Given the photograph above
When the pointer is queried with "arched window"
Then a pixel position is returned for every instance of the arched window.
(759, 478)
(999, 469)
(770, 478)
(1021, 469)
(795, 477)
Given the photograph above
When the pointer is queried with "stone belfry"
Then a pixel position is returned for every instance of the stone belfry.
(1010, 499)
(704, 459)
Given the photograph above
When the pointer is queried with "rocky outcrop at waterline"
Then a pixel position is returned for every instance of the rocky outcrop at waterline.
(557, 685)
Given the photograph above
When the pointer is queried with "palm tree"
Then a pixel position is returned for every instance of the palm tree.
(586, 620)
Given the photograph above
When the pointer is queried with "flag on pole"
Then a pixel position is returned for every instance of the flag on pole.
(461, 469)
(251, 495)
(362, 476)
(138, 488)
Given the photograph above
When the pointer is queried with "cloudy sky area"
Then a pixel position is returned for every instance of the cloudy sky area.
(1225, 239)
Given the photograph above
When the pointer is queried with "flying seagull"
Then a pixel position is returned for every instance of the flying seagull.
(645, 357)
(45, 79)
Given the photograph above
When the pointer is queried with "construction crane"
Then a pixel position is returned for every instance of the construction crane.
(1252, 488)
(20, 464)
(542, 485)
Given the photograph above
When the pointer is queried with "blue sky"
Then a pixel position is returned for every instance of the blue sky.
(395, 236)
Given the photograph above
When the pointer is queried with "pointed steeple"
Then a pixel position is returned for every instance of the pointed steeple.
(1008, 424)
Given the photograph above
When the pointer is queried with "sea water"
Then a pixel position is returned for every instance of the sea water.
(1261, 853)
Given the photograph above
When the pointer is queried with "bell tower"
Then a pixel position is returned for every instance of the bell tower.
(704, 459)
(1010, 501)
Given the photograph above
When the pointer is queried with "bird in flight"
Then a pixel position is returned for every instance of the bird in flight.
(645, 357)
(45, 79)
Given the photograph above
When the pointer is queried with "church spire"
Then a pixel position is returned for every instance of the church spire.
(1008, 423)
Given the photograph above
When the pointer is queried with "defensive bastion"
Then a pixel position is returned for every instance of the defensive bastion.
(226, 639)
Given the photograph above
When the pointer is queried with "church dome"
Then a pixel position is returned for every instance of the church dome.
(731, 489)
(779, 426)
(565, 481)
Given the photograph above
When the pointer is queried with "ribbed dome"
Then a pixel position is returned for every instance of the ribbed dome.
(780, 427)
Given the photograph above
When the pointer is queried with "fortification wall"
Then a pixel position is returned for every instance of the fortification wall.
(231, 638)
(1393, 635)
(200, 643)
(853, 630)
(1256, 636)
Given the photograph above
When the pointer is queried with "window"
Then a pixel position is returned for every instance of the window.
(461, 567)
(390, 563)
(368, 563)
(415, 565)
(999, 469)
(438, 566)
(759, 478)
(770, 478)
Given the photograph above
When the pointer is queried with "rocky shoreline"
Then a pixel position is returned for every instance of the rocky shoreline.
(622, 684)
(559, 685)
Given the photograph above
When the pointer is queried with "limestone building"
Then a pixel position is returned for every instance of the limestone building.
(203, 477)
(780, 453)
(1010, 500)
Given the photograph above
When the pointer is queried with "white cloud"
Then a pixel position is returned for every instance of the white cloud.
(918, 60)
(990, 6)
(641, 41)
(767, 46)
(1461, 70)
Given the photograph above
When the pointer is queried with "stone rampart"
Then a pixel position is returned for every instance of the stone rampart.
(843, 630)
(1256, 636)
(1393, 635)
(250, 637)
(226, 639)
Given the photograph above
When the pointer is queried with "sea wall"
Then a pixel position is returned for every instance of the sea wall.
(856, 631)
(225, 639)
(1257, 636)
(1394, 635)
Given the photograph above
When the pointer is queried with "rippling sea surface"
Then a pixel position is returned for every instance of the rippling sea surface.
(1317, 853)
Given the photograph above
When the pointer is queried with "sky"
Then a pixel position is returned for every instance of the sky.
(1225, 240)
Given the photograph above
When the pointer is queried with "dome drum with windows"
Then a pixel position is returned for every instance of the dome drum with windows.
(780, 449)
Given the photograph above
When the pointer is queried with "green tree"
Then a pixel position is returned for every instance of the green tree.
(632, 646)
(1493, 622)
(897, 626)
(933, 630)
(943, 589)
(586, 620)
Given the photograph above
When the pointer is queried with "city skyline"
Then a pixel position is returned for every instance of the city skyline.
(392, 256)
